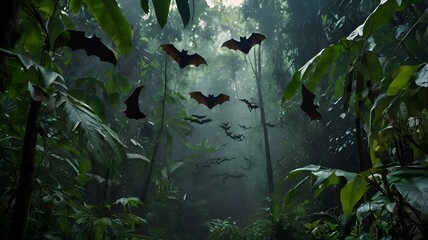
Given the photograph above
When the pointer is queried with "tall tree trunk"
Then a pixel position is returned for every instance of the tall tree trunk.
(269, 169)
(26, 176)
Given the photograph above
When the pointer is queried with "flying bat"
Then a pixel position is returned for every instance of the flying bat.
(250, 105)
(244, 45)
(93, 46)
(182, 58)
(308, 105)
(209, 101)
(132, 108)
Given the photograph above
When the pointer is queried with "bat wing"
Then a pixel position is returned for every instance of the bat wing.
(132, 108)
(172, 51)
(221, 98)
(255, 38)
(232, 44)
(199, 97)
(196, 59)
(308, 105)
(93, 46)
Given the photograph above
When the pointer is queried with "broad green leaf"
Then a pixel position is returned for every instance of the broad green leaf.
(184, 10)
(145, 5)
(162, 10)
(101, 142)
(321, 176)
(378, 18)
(314, 70)
(113, 22)
(290, 194)
(415, 191)
(292, 87)
(75, 5)
(129, 201)
(401, 79)
(421, 77)
(351, 193)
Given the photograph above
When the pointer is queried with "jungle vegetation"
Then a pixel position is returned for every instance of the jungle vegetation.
(78, 164)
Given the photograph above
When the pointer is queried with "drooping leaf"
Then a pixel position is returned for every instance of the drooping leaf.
(184, 10)
(137, 156)
(298, 171)
(113, 22)
(100, 141)
(162, 10)
(401, 79)
(92, 45)
(351, 193)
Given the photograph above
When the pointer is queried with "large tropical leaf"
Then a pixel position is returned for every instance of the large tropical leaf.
(184, 10)
(113, 22)
(101, 142)
(161, 10)
(351, 193)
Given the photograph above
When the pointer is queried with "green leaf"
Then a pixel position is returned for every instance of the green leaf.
(421, 77)
(401, 79)
(113, 22)
(292, 87)
(351, 193)
(162, 10)
(184, 10)
(75, 5)
(129, 201)
(378, 18)
(145, 5)
(415, 191)
(101, 142)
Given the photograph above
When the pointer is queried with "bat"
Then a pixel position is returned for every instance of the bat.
(209, 101)
(308, 105)
(182, 58)
(198, 119)
(132, 109)
(244, 45)
(93, 46)
(250, 105)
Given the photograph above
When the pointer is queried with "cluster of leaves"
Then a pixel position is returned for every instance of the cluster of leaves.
(386, 69)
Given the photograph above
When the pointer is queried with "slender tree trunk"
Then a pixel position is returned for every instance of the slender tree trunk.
(26, 176)
(269, 169)
(156, 146)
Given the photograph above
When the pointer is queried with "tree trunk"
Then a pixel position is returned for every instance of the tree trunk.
(18, 226)
(269, 170)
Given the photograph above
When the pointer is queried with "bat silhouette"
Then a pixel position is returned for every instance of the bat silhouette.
(93, 46)
(250, 105)
(308, 105)
(244, 45)
(198, 121)
(209, 101)
(182, 58)
(132, 108)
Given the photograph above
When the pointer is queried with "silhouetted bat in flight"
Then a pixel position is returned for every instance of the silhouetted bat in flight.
(244, 45)
(199, 119)
(93, 46)
(250, 105)
(209, 101)
(132, 109)
(308, 105)
(182, 58)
